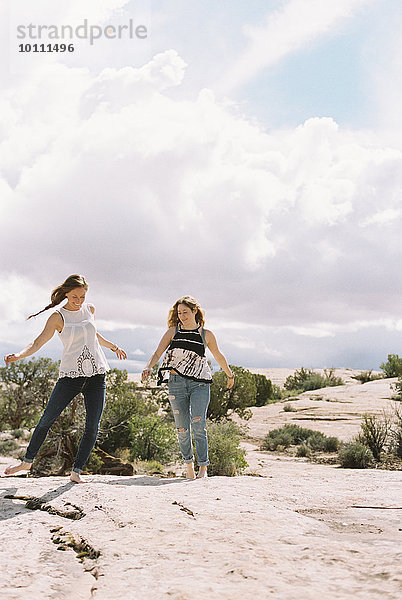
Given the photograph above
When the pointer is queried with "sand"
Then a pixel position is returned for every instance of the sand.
(290, 529)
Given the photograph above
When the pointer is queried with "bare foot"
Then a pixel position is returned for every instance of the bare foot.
(23, 466)
(76, 477)
(190, 473)
(202, 473)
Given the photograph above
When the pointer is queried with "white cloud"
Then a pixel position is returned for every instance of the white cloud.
(137, 352)
(163, 196)
(291, 27)
(382, 217)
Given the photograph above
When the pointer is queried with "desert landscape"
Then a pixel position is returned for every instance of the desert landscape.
(289, 528)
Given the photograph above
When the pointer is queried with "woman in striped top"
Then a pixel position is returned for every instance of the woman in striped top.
(186, 367)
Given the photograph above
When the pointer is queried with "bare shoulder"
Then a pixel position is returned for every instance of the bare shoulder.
(170, 332)
(55, 321)
(209, 337)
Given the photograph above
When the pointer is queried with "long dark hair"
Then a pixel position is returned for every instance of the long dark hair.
(58, 295)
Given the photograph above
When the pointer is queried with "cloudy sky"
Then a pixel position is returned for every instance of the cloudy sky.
(246, 153)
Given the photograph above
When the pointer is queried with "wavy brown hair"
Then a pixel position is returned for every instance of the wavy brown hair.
(59, 294)
(173, 318)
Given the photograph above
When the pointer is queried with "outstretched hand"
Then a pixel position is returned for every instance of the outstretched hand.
(121, 354)
(9, 358)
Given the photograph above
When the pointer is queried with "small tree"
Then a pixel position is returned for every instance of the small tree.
(238, 399)
(25, 390)
(393, 366)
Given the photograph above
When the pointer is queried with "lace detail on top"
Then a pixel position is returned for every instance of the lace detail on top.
(189, 363)
(82, 353)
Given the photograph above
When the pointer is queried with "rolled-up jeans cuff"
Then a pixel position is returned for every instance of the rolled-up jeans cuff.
(76, 470)
(203, 464)
(27, 460)
(188, 461)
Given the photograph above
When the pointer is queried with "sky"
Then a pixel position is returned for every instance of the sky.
(248, 154)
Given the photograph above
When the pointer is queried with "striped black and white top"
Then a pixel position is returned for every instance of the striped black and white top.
(186, 356)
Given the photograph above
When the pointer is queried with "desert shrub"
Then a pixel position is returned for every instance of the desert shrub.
(355, 455)
(151, 467)
(7, 447)
(237, 400)
(277, 439)
(397, 387)
(25, 389)
(303, 450)
(289, 435)
(288, 407)
(393, 366)
(331, 444)
(265, 390)
(374, 434)
(396, 431)
(226, 456)
(18, 433)
(316, 441)
(123, 400)
(366, 376)
(305, 380)
(152, 438)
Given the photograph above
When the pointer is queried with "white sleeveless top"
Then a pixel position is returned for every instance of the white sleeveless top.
(82, 353)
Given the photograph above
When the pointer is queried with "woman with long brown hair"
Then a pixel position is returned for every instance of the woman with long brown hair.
(186, 366)
(83, 369)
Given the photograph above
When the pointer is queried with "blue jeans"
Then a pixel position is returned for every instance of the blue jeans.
(189, 401)
(93, 389)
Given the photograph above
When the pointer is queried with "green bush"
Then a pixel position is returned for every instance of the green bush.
(123, 400)
(331, 444)
(265, 390)
(289, 435)
(396, 431)
(152, 438)
(24, 391)
(397, 386)
(277, 439)
(305, 380)
(355, 455)
(288, 407)
(18, 433)
(303, 451)
(7, 447)
(237, 400)
(374, 434)
(393, 366)
(316, 441)
(366, 376)
(226, 456)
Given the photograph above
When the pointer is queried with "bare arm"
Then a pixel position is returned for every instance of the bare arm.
(120, 353)
(218, 356)
(54, 322)
(163, 344)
